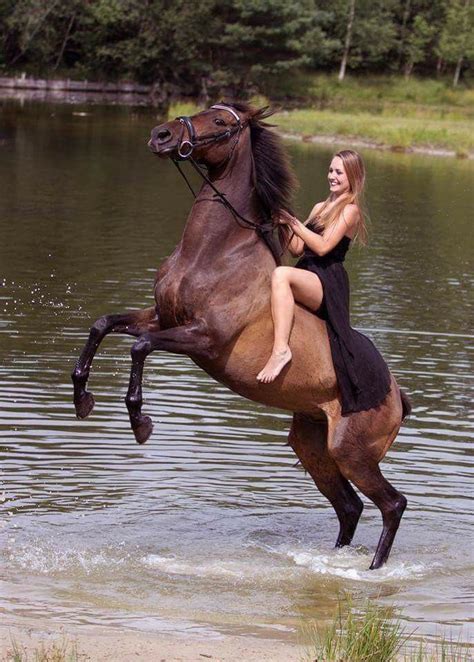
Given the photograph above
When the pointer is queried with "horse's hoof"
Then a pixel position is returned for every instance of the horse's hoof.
(143, 430)
(84, 405)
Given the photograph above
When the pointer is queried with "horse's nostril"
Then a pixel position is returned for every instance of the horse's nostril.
(163, 135)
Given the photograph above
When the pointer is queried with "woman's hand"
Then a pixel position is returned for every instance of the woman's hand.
(286, 218)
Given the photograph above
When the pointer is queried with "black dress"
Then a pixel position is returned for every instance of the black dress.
(362, 374)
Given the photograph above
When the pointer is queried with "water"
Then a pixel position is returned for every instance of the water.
(209, 528)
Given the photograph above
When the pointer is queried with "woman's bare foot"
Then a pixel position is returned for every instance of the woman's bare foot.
(274, 366)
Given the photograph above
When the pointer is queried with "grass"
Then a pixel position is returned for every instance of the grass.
(404, 132)
(61, 651)
(183, 108)
(374, 93)
(374, 634)
(441, 651)
(382, 111)
(386, 110)
(370, 636)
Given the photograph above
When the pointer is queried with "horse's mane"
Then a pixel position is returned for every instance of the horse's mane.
(275, 181)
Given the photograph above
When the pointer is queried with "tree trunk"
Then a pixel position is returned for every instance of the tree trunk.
(457, 72)
(347, 44)
(408, 69)
(66, 37)
(403, 29)
(203, 92)
(439, 66)
(33, 34)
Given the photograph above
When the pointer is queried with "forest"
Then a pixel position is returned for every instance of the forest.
(239, 47)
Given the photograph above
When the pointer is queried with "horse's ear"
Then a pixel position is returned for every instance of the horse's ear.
(262, 113)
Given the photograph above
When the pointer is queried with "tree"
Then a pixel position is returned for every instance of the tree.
(416, 41)
(418, 23)
(348, 40)
(365, 35)
(456, 43)
(259, 39)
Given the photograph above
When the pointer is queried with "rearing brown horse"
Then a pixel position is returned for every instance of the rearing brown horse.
(213, 304)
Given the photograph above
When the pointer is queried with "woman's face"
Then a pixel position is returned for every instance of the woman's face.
(337, 178)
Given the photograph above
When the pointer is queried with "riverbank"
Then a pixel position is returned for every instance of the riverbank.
(389, 113)
(111, 645)
(424, 136)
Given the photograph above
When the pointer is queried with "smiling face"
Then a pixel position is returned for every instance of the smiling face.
(337, 177)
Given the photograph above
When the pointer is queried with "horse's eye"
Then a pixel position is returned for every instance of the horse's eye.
(219, 121)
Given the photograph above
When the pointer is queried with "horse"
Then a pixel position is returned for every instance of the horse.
(212, 299)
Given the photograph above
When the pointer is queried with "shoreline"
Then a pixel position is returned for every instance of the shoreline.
(127, 94)
(117, 645)
(358, 141)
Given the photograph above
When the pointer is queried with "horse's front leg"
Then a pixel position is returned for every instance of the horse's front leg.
(133, 323)
(190, 339)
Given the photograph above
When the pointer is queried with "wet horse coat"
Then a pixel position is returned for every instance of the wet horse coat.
(213, 304)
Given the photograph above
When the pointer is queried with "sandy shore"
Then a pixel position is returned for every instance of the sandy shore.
(122, 646)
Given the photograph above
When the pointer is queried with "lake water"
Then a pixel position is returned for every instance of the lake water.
(209, 528)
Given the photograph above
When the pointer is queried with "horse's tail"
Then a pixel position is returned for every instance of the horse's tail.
(406, 404)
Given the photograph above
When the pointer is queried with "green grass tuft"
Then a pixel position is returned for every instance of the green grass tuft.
(374, 634)
(62, 651)
(370, 635)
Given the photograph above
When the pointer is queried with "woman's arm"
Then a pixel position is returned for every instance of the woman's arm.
(322, 244)
(296, 243)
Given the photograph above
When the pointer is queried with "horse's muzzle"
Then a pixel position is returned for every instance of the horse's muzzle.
(162, 151)
(161, 136)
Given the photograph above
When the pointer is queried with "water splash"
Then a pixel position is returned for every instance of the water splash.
(353, 564)
(51, 560)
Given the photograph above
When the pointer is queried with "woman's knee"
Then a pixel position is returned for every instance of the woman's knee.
(280, 275)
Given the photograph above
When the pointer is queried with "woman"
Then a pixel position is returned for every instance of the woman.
(319, 281)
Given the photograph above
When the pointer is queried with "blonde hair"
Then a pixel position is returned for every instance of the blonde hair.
(329, 212)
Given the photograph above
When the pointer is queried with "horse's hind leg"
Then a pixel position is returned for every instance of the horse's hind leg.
(358, 461)
(308, 438)
(134, 323)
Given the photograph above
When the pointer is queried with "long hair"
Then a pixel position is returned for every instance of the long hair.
(328, 214)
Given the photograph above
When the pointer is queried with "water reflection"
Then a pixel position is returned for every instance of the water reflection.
(209, 524)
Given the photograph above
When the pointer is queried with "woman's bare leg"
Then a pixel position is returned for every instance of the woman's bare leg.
(288, 285)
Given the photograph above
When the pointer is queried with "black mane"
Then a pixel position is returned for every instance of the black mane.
(275, 181)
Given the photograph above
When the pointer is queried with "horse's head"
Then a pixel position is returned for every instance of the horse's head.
(209, 136)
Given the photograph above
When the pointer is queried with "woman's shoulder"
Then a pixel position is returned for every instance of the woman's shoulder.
(351, 209)
(351, 216)
(351, 213)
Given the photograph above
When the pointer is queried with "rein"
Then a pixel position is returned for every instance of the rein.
(265, 230)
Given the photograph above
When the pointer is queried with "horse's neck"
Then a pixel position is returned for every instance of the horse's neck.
(211, 227)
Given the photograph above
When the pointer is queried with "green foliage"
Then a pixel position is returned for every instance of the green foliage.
(456, 39)
(387, 111)
(416, 42)
(213, 47)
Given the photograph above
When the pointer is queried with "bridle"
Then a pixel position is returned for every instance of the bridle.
(185, 150)
(208, 138)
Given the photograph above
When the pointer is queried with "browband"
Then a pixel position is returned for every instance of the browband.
(221, 106)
